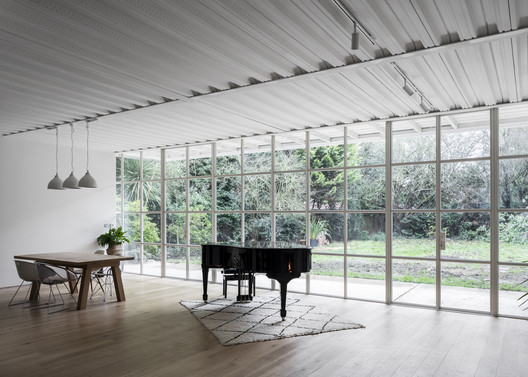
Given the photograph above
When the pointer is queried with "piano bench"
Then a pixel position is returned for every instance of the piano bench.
(231, 274)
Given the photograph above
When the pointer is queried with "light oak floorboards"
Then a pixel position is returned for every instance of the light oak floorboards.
(151, 334)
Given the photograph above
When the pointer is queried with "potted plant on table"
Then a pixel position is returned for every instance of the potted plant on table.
(113, 240)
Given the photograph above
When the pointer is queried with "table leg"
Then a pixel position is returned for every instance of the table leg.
(118, 283)
(35, 290)
(83, 291)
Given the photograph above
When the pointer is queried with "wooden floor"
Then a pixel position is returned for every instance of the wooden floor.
(151, 334)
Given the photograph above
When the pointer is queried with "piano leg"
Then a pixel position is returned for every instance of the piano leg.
(205, 275)
(283, 289)
(283, 279)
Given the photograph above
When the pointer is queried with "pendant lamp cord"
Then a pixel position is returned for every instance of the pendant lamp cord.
(87, 144)
(72, 131)
(56, 150)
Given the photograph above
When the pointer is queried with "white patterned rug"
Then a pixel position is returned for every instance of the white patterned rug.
(259, 320)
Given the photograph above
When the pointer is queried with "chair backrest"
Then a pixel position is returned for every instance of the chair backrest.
(27, 270)
(49, 274)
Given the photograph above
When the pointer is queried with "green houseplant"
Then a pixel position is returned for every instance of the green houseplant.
(113, 240)
(318, 229)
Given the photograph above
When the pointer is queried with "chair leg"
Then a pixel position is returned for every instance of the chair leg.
(12, 298)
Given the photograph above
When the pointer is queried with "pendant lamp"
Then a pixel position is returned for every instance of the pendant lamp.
(87, 180)
(56, 182)
(71, 182)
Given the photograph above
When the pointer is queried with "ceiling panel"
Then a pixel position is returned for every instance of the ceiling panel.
(174, 72)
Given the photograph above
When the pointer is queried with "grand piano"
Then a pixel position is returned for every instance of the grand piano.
(279, 260)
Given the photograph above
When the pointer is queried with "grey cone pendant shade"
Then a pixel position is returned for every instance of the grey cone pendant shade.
(87, 180)
(71, 182)
(56, 182)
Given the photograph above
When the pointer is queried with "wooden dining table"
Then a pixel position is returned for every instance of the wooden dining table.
(87, 262)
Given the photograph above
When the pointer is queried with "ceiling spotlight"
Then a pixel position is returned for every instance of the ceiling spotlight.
(425, 107)
(407, 88)
(355, 39)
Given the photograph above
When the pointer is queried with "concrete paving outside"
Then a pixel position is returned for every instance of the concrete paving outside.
(460, 298)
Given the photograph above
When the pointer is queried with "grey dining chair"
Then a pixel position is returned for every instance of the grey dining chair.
(27, 271)
(53, 276)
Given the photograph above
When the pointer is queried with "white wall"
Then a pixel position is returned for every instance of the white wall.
(34, 219)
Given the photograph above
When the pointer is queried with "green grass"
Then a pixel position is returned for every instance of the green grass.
(454, 274)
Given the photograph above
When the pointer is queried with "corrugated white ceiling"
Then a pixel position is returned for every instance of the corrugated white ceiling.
(161, 73)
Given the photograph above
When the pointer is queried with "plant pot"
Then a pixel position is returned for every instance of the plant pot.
(115, 250)
(314, 242)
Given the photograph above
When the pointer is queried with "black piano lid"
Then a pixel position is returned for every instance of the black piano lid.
(261, 245)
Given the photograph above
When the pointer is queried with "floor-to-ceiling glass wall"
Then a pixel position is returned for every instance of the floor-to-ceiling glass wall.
(398, 211)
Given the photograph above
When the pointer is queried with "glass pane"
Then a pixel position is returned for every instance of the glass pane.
(290, 191)
(513, 285)
(513, 183)
(229, 194)
(175, 197)
(131, 197)
(327, 275)
(118, 198)
(327, 232)
(228, 157)
(366, 188)
(513, 237)
(414, 141)
(414, 282)
(200, 161)
(195, 265)
(457, 144)
(257, 154)
(118, 168)
(366, 233)
(132, 266)
(176, 262)
(131, 166)
(327, 190)
(513, 130)
(200, 228)
(200, 194)
(291, 227)
(151, 164)
(228, 227)
(175, 162)
(366, 152)
(257, 192)
(414, 235)
(132, 226)
(467, 235)
(152, 228)
(152, 260)
(175, 228)
(465, 185)
(152, 195)
(327, 156)
(466, 286)
(257, 227)
(366, 278)
(414, 187)
(290, 151)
